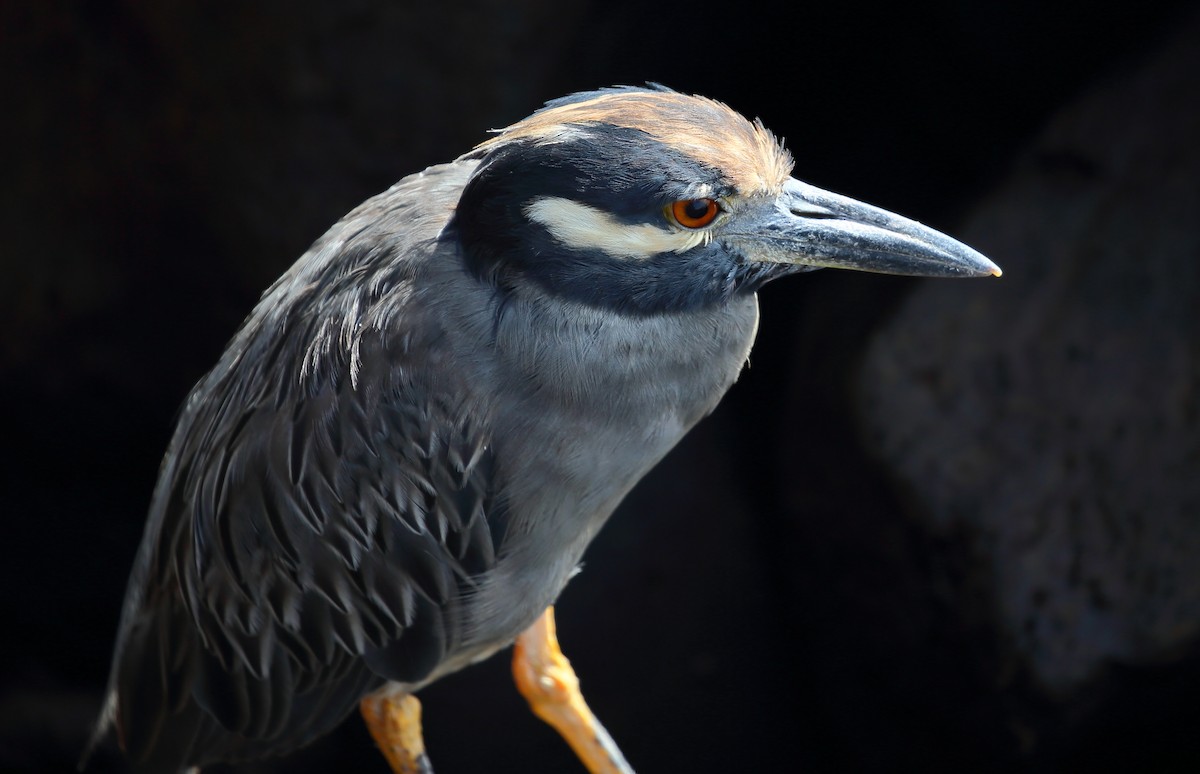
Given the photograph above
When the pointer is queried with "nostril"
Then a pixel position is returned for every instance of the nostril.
(811, 211)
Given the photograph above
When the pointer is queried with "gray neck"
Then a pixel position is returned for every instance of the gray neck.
(593, 401)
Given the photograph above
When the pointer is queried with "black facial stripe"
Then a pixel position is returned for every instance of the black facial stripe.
(619, 170)
(667, 282)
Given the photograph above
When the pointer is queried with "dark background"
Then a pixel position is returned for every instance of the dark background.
(773, 597)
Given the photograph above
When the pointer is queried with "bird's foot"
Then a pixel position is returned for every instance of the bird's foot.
(545, 678)
(394, 720)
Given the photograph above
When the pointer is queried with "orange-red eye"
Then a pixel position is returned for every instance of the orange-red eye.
(694, 213)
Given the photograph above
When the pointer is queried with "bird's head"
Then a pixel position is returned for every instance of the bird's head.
(645, 200)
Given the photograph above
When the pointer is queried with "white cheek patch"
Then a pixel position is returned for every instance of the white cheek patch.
(582, 227)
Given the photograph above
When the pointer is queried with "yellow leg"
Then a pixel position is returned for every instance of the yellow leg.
(394, 721)
(545, 678)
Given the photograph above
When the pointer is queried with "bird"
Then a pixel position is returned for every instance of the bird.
(401, 456)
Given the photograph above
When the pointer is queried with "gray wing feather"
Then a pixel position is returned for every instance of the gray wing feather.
(322, 509)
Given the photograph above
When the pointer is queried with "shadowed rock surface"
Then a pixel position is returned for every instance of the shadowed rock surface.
(1056, 414)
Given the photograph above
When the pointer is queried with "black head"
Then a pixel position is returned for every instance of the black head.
(647, 201)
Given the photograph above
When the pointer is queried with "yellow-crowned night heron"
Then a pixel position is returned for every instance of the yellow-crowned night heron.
(403, 453)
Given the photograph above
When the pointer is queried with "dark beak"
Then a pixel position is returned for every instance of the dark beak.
(806, 226)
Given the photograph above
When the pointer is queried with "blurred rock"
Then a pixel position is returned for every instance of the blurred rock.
(1054, 414)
